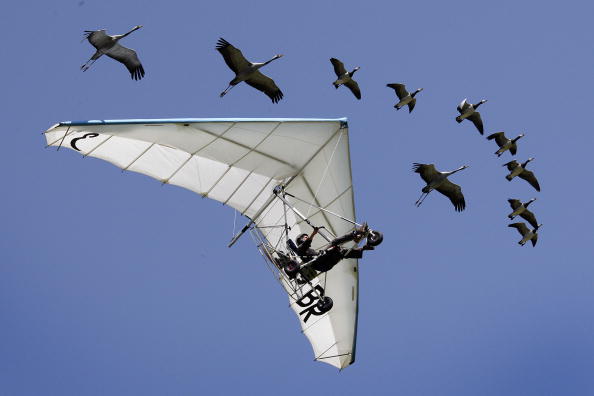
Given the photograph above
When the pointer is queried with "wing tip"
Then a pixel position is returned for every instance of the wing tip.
(222, 43)
(138, 73)
(276, 96)
(416, 166)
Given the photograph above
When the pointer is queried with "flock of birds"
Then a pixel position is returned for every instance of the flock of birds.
(438, 181)
(249, 73)
(246, 71)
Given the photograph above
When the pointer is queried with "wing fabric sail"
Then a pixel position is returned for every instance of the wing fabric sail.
(239, 162)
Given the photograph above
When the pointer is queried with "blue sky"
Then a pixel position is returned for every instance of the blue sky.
(113, 284)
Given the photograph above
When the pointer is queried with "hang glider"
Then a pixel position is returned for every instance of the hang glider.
(284, 175)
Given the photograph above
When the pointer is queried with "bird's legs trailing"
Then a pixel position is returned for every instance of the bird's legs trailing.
(422, 198)
(86, 66)
(226, 90)
(95, 56)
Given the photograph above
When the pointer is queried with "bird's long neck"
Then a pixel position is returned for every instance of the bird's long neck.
(354, 70)
(478, 104)
(526, 163)
(416, 92)
(529, 202)
(454, 171)
(121, 36)
(273, 58)
(517, 138)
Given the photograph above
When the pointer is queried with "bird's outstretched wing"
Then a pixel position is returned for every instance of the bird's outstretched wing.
(463, 106)
(129, 58)
(427, 171)
(476, 120)
(511, 165)
(499, 137)
(454, 193)
(233, 57)
(513, 149)
(411, 104)
(96, 37)
(530, 178)
(400, 89)
(266, 85)
(521, 227)
(354, 87)
(529, 217)
(514, 203)
(338, 67)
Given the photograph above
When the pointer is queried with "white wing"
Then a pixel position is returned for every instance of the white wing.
(238, 162)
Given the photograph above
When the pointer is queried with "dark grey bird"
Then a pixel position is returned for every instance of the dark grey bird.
(468, 111)
(521, 209)
(527, 234)
(405, 97)
(504, 143)
(520, 170)
(437, 180)
(108, 45)
(247, 71)
(345, 78)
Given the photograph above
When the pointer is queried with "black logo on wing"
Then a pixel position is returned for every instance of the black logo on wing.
(308, 302)
(86, 135)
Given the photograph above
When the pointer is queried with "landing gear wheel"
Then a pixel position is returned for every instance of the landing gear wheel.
(375, 238)
(325, 304)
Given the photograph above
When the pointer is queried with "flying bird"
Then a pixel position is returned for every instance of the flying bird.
(504, 143)
(468, 111)
(247, 71)
(521, 209)
(108, 45)
(521, 171)
(527, 234)
(439, 181)
(405, 97)
(345, 78)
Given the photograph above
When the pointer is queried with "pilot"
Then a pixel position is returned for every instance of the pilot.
(325, 259)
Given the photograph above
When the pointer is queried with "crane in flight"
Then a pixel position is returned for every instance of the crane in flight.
(468, 112)
(504, 143)
(345, 78)
(521, 209)
(405, 97)
(527, 234)
(437, 180)
(520, 170)
(247, 71)
(108, 45)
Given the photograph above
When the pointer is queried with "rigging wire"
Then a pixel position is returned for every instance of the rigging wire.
(324, 174)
